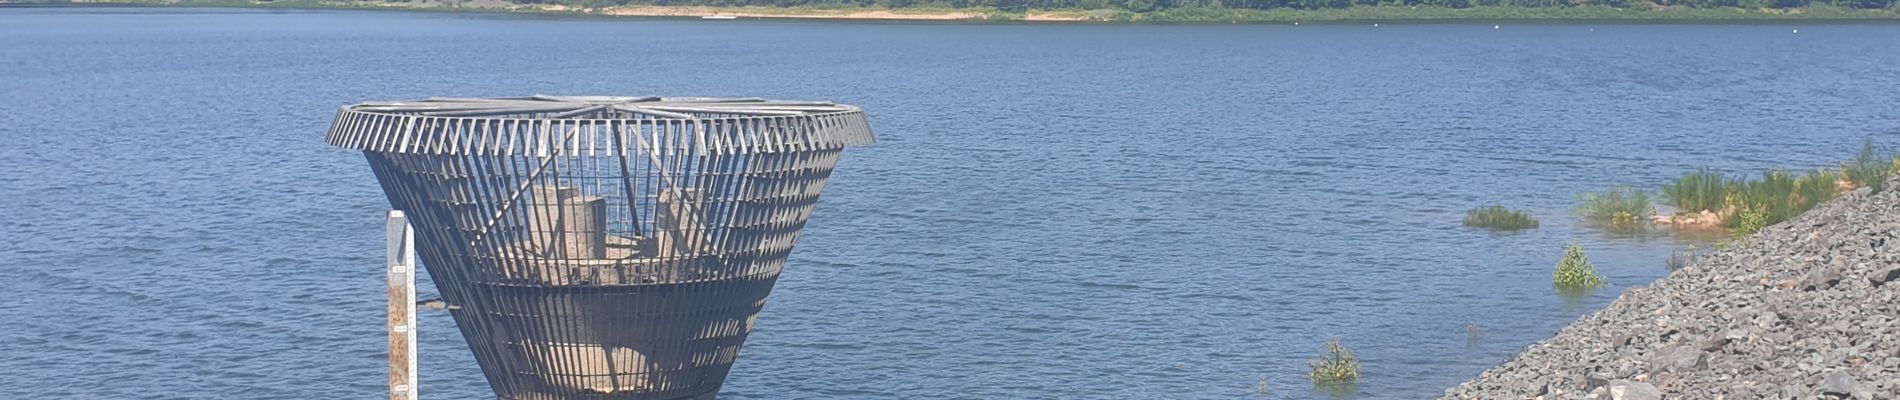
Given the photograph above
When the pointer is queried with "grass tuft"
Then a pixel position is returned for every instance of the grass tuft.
(1575, 270)
(1682, 258)
(1773, 195)
(1867, 170)
(1778, 196)
(1702, 190)
(1750, 219)
(1816, 188)
(1621, 208)
(1336, 367)
(1499, 218)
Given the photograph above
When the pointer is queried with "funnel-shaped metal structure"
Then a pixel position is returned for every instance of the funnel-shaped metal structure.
(603, 247)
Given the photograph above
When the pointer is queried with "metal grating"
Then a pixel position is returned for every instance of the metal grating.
(603, 247)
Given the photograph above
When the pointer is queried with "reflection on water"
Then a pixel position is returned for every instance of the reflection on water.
(1575, 299)
(1338, 391)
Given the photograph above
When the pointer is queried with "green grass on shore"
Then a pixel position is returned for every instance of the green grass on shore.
(1745, 205)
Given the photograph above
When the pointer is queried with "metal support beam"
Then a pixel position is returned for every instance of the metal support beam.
(402, 308)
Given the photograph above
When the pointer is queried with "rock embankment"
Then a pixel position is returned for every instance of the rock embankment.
(1806, 309)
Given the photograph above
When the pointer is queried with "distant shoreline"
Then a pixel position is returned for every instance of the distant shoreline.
(1355, 14)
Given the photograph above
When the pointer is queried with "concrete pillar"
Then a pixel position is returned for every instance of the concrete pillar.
(568, 224)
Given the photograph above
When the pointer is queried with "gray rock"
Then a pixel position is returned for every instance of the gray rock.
(1713, 343)
(1864, 393)
(1822, 279)
(1882, 277)
(1620, 341)
(1626, 390)
(1837, 384)
(1680, 359)
(1597, 380)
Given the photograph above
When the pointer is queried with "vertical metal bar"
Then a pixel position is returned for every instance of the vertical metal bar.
(402, 307)
(626, 174)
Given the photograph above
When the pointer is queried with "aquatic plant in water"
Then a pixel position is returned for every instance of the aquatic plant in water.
(1621, 208)
(1499, 218)
(1337, 366)
(1575, 270)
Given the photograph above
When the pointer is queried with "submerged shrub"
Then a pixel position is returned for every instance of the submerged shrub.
(1619, 208)
(1702, 190)
(1499, 218)
(1337, 366)
(1575, 270)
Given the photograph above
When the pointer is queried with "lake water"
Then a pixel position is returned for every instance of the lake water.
(1054, 211)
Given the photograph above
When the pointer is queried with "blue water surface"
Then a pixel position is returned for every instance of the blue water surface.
(1053, 211)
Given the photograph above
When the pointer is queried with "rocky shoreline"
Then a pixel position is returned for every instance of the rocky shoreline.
(1805, 309)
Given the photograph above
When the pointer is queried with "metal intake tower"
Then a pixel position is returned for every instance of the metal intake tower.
(603, 247)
